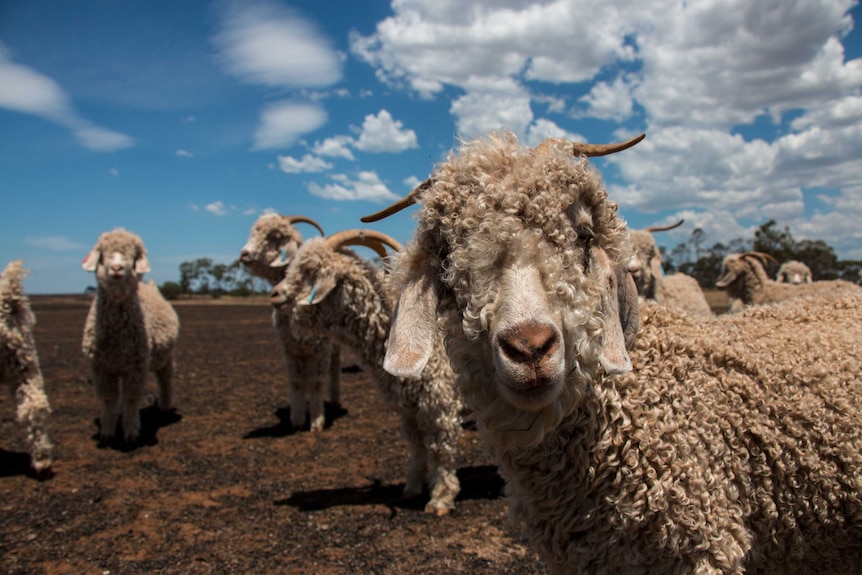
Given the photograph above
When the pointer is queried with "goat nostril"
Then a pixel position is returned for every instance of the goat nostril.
(529, 342)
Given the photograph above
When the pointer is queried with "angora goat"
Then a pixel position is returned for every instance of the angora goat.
(130, 330)
(677, 291)
(313, 363)
(704, 459)
(19, 366)
(744, 279)
(330, 291)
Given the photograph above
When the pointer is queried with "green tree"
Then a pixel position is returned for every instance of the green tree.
(819, 257)
(171, 290)
(777, 243)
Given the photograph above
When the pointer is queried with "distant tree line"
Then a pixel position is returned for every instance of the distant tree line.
(205, 277)
(692, 257)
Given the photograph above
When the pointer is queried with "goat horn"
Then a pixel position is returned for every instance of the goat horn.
(368, 238)
(762, 256)
(303, 219)
(578, 149)
(663, 228)
(593, 150)
(401, 204)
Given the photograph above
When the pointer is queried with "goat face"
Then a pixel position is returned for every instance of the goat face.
(119, 260)
(528, 280)
(272, 243)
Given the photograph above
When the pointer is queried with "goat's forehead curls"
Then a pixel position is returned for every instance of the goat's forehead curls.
(120, 240)
(494, 187)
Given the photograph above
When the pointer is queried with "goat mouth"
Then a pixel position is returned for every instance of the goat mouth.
(533, 394)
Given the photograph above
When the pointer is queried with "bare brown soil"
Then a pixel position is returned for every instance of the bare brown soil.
(223, 485)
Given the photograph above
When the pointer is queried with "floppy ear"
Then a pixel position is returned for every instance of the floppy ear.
(286, 251)
(91, 260)
(619, 308)
(655, 265)
(414, 326)
(629, 307)
(316, 287)
(142, 264)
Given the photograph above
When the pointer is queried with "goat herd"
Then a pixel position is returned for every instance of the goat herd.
(636, 431)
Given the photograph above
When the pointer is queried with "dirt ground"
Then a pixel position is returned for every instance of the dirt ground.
(223, 485)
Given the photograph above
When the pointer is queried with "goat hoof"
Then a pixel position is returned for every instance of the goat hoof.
(437, 511)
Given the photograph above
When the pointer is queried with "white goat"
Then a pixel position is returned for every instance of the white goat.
(129, 331)
(332, 292)
(703, 460)
(19, 366)
(793, 272)
(677, 291)
(313, 363)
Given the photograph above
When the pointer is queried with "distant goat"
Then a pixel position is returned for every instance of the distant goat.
(313, 363)
(332, 292)
(130, 330)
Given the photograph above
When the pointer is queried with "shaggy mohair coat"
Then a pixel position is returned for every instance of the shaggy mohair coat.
(130, 330)
(313, 363)
(19, 366)
(744, 279)
(339, 295)
(733, 446)
(677, 291)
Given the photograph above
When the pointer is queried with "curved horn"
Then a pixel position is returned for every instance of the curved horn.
(401, 204)
(663, 228)
(368, 238)
(303, 219)
(593, 150)
(762, 257)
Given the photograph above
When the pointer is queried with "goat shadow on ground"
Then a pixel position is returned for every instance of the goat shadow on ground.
(284, 427)
(477, 482)
(152, 419)
(18, 463)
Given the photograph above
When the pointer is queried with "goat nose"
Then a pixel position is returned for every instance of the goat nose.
(529, 342)
(116, 268)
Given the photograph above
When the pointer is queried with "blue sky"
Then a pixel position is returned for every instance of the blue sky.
(184, 121)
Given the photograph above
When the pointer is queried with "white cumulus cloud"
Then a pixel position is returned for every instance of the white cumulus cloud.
(307, 163)
(283, 123)
(365, 186)
(266, 43)
(381, 133)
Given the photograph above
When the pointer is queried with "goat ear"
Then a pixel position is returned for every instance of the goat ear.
(726, 278)
(629, 307)
(142, 265)
(286, 251)
(618, 309)
(655, 266)
(91, 260)
(413, 327)
(316, 288)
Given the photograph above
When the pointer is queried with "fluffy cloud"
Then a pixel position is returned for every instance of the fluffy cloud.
(217, 208)
(366, 186)
(381, 133)
(25, 90)
(266, 43)
(283, 123)
(307, 163)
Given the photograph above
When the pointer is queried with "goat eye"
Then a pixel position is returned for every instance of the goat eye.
(585, 235)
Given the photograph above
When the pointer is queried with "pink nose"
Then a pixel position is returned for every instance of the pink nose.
(116, 268)
(529, 342)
